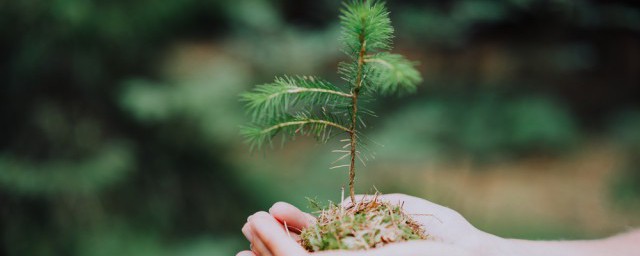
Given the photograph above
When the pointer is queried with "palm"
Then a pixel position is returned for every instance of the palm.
(449, 232)
(441, 223)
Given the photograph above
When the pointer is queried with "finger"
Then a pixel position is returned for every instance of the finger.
(295, 219)
(417, 248)
(246, 253)
(269, 231)
(258, 247)
(246, 231)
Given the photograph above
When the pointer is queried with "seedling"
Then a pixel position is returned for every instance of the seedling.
(308, 105)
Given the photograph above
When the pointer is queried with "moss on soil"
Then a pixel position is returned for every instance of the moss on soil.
(369, 223)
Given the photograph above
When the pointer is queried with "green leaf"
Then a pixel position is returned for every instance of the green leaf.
(392, 74)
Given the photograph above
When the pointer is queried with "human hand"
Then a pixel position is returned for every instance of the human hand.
(450, 233)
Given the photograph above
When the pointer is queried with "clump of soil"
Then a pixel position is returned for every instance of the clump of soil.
(364, 225)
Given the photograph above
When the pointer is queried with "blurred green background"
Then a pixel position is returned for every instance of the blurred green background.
(119, 119)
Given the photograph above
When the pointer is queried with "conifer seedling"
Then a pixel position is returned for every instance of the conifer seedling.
(308, 105)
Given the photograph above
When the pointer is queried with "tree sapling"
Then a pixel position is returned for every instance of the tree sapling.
(308, 105)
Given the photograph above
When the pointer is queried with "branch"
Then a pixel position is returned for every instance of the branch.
(271, 101)
(295, 90)
(393, 73)
(303, 122)
(380, 61)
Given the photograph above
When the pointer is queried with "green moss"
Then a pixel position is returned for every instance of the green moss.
(364, 225)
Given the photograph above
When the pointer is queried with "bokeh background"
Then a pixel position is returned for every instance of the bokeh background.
(119, 119)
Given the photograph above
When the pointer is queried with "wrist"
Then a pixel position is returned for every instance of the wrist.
(505, 246)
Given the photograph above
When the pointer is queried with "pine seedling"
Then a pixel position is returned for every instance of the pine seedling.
(308, 105)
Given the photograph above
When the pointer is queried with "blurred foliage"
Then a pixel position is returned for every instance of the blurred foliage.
(454, 24)
(625, 129)
(118, 127)
(486, 126)
(204, 100)
(52, 178)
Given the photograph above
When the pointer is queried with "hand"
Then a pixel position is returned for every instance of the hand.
(451, 234)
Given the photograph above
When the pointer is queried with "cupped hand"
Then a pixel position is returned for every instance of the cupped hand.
(449, 232)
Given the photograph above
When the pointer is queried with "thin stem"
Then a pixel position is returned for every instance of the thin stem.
(354, 112)
(303, 122)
